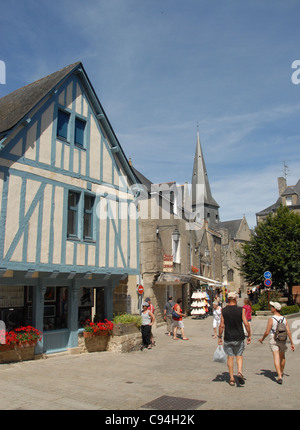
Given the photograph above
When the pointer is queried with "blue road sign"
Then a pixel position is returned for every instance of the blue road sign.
(268, 275)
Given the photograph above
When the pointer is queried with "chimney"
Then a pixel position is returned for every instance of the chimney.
(129, 161)
(281, 185)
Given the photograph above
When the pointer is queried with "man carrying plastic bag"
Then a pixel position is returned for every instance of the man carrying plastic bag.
(232, 319)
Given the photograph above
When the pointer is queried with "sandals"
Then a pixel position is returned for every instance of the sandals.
(241, 378)
(232, 382)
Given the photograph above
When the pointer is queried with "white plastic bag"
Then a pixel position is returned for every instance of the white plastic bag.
(219, 355)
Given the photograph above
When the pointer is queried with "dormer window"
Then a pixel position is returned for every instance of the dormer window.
(289, 201)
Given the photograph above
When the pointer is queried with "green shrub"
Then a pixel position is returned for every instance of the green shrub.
(263, 303)
(286, 310)
(128, 318)
(255, 308)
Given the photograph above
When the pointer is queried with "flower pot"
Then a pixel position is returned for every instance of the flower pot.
(87, 334)
(6, 347)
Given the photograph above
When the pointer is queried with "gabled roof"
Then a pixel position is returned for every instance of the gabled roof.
(232, 227)
(15, 106)
(290, 190)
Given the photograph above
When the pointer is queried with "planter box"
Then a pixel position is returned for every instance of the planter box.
(125, 343)
(96, 343)
(10, 354)
(125, 329)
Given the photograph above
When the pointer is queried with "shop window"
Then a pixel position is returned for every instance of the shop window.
(15, 306)
(85, 305)
(55, 308)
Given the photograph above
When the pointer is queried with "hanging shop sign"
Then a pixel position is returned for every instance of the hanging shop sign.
(168, 263)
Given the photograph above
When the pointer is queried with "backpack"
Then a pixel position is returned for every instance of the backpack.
(281, 331)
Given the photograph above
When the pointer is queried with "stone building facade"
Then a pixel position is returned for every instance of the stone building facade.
(234, 234)
(288, 196)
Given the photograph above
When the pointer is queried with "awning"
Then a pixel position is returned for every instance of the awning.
(172, 278)
(207, 280)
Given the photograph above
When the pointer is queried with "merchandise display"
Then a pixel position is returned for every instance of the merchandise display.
(200, 304)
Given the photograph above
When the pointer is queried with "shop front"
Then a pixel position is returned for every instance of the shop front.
(57, 307)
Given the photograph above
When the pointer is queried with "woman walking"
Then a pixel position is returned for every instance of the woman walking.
(248, 312)
(278, 347)
(177, 321)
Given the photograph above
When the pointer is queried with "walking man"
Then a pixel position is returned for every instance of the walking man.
(232, 319)
(168, 314)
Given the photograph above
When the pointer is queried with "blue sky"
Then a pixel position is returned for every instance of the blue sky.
(159, 67)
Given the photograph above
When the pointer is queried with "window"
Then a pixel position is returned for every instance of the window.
(176, 250)
(62, 124)
(79, 131)
(289, 201)
(230, 275)
(80, 216)
(88, 216)
(73, 200)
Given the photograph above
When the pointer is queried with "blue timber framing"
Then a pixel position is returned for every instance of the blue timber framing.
(37, 172)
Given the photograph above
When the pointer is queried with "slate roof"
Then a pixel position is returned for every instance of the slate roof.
(232, 227)
(290, 190)
(200, 177)
(15, 106)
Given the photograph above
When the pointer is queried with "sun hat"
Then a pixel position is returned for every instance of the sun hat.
(232, 295)
(145, 304)
(276, 305)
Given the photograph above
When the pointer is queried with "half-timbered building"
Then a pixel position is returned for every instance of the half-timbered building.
(68, 230)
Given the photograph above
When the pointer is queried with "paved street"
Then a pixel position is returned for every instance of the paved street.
(180, 369)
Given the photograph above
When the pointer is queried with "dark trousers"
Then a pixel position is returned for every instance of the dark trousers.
(146, 333)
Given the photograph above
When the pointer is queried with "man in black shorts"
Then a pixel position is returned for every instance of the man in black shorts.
(232, 320)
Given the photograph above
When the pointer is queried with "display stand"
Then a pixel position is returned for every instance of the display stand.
(200, 304)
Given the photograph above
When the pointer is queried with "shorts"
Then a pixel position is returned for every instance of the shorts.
(216, 323)
(277, 345)
(178, 324)
(234, 347)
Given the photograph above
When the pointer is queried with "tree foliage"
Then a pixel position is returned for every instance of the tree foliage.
(274, 247)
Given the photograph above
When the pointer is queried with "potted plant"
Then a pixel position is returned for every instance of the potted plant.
(97, 329)
(126, 324)
(18, 344)
(26, 336)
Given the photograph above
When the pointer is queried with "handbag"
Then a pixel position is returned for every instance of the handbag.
(219, 355)
(175, 315)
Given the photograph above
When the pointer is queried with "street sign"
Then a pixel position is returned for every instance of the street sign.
(268, 275)
(140, 289)
(268, 282)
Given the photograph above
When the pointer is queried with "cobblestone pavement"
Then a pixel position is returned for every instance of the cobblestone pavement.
(181, 371)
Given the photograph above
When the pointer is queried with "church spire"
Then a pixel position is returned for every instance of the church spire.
(200, 177)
